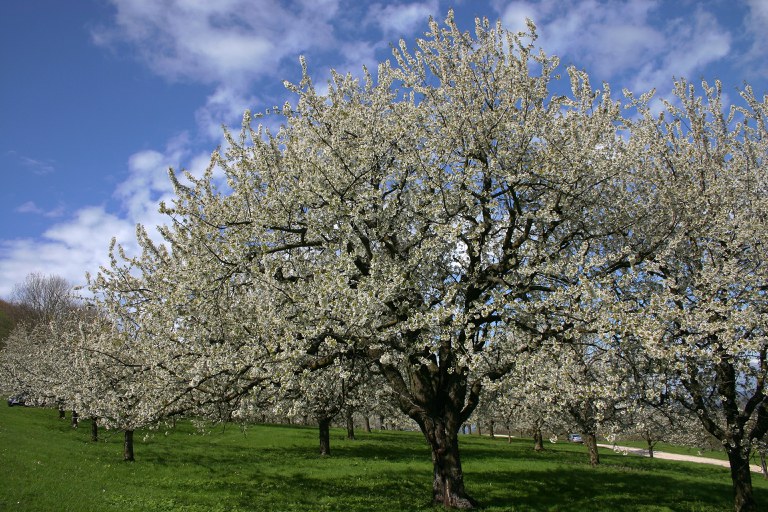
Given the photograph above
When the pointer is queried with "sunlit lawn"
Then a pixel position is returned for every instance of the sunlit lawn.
(683, 450)
(47, 466)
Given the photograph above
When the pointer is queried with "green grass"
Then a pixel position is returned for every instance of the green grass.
(47, 466)
(682, 450)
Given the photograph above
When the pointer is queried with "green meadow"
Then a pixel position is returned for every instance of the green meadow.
(45, 465)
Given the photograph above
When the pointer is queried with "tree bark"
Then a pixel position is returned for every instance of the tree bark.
(62, 414)
(590, 439)
(128, 446)
(741, 477)
(538, 440)
(367, 425)
(448, 483)
(438, 397)
(381, 422)
(325, 436)
(490, 429)
(763, 464)
(650, 448)
(74, 419)
(94, 429)
(350, 424)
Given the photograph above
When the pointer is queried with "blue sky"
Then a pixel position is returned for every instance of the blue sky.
(99, 97)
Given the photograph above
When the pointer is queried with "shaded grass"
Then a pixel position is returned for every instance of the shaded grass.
(45, 465)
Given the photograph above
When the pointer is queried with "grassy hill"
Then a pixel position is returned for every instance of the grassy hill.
(47, 466)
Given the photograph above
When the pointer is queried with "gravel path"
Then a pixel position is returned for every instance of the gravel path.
(674, 456)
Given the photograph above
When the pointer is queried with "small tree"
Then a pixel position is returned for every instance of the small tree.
(44, 297)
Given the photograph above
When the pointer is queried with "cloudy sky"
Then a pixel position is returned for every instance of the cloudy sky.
(98, 98)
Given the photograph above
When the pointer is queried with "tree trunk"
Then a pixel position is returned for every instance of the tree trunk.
(590, 440)
(650, 448)
(367, 425)
(94, 429)
(74, 419)
(479, 432)
(350, 424)
(538, 440)
(448, 484)
(490, 430)
(381, 422)
(128, 446)
(763, 465)
(325, 436)
(62, 414)
(741, 477)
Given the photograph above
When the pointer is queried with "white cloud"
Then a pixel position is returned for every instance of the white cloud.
(39, 167)
(361, 53)
(35, 165)
(402, 19)
(225, 106)
(31, 207)
(756, 22)
(691, 45)
(67, 249)
(80, 243)
(625, 40)
(230, 41)
(514, 15)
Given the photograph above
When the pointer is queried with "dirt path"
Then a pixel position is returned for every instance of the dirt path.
(675, 456)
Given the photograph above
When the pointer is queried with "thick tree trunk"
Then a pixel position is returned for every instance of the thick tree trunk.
(381, 422)
(590, 439)
(75, 417)
(741, 477)
(325, 436)
(128, 446)
(350, 424)
(94, 429)
(650, 448)
(448, 483)
(763, 464)
(367, 425)
(490, 430)
(538, 440)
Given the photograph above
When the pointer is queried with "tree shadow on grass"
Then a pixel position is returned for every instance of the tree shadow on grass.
(586, 490)
(523, 491)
